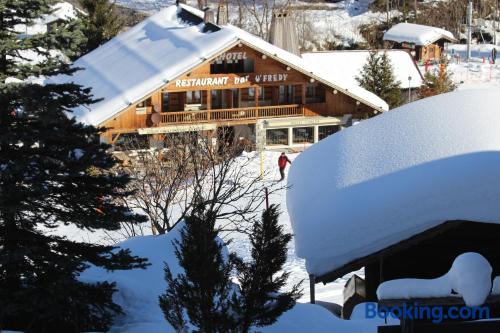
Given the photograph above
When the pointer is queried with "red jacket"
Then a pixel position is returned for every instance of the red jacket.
(282, 161)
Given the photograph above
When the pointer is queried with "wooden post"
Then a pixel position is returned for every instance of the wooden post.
(312, 284)
(256, 95)
(303, 94)
(209, 104)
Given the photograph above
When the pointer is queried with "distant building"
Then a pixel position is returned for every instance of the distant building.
(347, 65)
(179, 71)
(425, 43)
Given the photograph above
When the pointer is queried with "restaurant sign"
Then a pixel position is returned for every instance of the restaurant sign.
(226, 80)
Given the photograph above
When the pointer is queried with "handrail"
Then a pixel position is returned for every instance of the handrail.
(227, 115)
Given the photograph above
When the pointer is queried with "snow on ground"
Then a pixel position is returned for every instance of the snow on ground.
(469, 277)
(331, 292)
(479, 73)
(138, 292)
(354, 193)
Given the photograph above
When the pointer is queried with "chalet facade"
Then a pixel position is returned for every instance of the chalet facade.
(179, 71)
(425, 43)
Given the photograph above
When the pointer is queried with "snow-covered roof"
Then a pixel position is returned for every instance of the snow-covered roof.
(417, 34)
(349, 64)
(165, 46)
(394, 176)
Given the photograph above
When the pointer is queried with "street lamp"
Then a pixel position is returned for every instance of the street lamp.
(409, 88)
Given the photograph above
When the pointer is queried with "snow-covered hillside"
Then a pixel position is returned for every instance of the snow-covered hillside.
(317, 22)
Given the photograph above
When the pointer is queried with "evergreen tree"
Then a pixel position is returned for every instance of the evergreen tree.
(203, 296)
(199, 298)
(438, 81)
(53, 172)
(378, 77)
(100, 23)
(261, 301)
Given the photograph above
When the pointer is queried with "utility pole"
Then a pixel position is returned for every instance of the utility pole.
(387, 8)
(469, 29)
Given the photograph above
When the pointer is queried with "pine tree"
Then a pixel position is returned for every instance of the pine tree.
(378, 77)
(261, 301)
(100, 23)
(437, 82)
(201, 296)
(204, 297)
(48, 178)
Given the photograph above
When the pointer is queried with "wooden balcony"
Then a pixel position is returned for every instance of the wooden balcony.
(249, 114)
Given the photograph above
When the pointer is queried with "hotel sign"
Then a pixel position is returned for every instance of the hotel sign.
(226, 80)
(231, 56)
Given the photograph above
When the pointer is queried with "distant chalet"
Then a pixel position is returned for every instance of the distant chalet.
(179, 71)
(424, 42)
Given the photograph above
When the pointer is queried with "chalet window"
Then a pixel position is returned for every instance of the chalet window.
(303, 135)
(265, 96)
(324, 131)
(286, 94)
(165, 102)
(277, 136)
(193, 97)
(142, 107)
(232, 66)
(315, 93)
(247, 97)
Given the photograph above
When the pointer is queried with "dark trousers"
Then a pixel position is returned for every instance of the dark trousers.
(282, 173)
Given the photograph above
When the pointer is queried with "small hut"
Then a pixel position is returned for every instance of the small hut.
(425, 43)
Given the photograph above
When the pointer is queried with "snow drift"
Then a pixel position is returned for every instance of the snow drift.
(393, 176)
(469, 277)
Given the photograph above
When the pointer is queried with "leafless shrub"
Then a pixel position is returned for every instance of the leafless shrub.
(191, 169)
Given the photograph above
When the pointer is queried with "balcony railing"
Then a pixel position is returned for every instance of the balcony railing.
(228, 115)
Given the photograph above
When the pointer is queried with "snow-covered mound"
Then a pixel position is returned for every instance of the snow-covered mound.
(469, 277)
(396, 175)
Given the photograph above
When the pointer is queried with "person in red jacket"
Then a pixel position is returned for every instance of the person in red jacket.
(282, 160)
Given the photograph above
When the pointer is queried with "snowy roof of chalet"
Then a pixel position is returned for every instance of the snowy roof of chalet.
(417, 34)
(349, 64)
(164, 47)
(394, 176)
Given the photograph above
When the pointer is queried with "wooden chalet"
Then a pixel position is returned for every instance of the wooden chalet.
(425, 43)
(180, 71)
